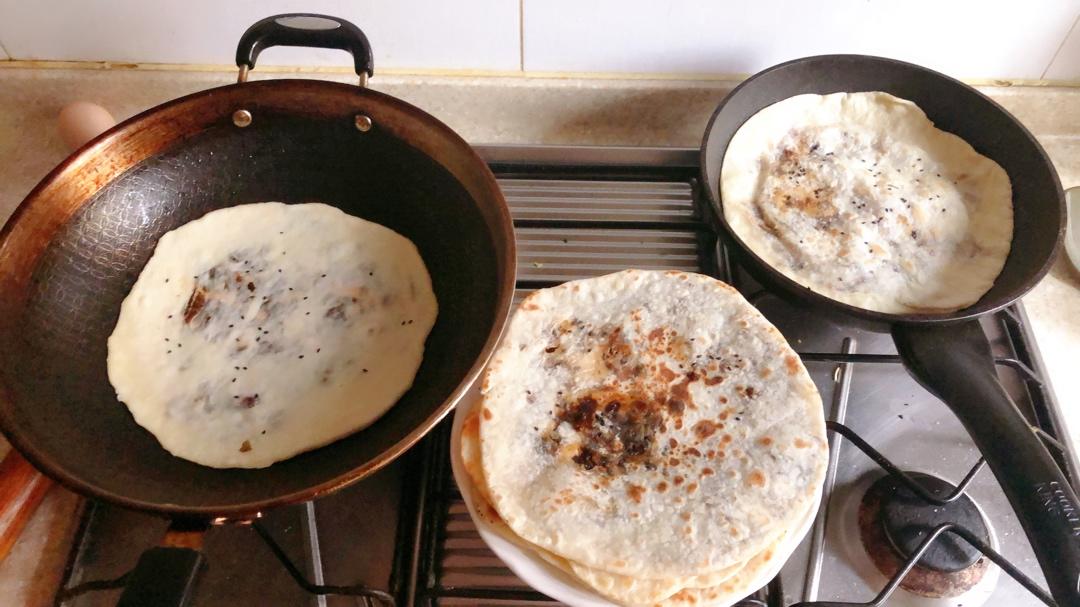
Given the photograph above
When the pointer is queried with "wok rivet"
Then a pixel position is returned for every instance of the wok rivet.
(241, 118)
(363, 123)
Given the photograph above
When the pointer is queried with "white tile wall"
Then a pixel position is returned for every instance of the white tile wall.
(965, 38)
(464, 34)
(1066, 65)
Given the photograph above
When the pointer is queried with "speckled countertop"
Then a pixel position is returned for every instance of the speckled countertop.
(483, 110)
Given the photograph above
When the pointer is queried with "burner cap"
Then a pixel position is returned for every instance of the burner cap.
(907, 519)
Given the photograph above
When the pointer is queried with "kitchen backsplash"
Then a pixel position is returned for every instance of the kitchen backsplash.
(987, 39)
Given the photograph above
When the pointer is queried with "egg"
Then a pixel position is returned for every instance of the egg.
(81, 121)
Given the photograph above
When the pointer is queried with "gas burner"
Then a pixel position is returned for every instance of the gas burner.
(893, 522)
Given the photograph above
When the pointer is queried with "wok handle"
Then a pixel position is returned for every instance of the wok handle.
(955, 363)
(22, 488)
(305, 29)
(167, 575)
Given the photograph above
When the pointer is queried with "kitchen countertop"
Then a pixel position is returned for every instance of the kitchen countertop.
(507, 110)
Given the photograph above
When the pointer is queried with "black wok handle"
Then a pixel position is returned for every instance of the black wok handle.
(167, 575)
(955, 363)
(305, 29)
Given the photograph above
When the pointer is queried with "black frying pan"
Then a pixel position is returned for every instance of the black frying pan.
(74, 247)
(948, 353)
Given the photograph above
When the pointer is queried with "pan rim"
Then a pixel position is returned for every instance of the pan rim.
(247, 510)
(792, 287)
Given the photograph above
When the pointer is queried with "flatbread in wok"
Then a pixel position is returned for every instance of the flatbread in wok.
(649, 424)
(264, 330)
(860, 198)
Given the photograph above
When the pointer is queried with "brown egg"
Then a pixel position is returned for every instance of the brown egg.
(81, 121)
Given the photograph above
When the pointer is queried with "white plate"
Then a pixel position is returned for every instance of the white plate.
(545, 578)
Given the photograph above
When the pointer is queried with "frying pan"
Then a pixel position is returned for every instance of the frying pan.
(946, 352)
(74, 247)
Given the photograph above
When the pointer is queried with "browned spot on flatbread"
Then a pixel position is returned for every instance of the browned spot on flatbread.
(726, 438)
(707, 472)
(662, 486)
(618, 430)
(195, 304)
(756, 478)
(656, 334)
(678, 480)
(666, 374)
(746, 391)
(680, 392)
(635, 492)
(245, 447)
(672, 442)
(529, 306)
(693, 452)
(791, 364)
(336, 312)
(765, 372)
(715, 379)
(801, 444)
(733, 531)
(684, 515)
(765, 441)
(487, 413)
(704, 429)
(617, 355)
(692, 487)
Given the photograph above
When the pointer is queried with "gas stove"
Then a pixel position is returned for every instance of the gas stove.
(901, 465)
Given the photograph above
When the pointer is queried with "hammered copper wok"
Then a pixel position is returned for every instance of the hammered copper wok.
(73, 249)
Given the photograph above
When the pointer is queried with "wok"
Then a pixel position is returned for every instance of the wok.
(74, 247)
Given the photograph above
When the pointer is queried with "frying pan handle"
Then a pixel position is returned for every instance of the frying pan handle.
(955, 363)
(167, 575)
(22, 488)
(305, 29)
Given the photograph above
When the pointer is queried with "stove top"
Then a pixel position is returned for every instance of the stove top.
(583, 212)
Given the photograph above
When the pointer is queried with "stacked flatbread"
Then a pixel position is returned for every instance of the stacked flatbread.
(650, 434)
(859, 197)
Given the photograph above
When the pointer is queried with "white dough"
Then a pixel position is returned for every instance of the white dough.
(261, 331)
(860, 198)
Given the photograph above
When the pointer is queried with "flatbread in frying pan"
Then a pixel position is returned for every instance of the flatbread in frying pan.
(264, 330)
(860, 198)
(649, 424)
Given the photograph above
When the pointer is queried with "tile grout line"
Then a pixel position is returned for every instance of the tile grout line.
(521, 36)
(1060, 46)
